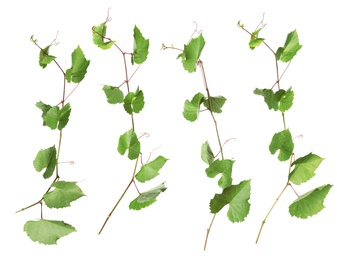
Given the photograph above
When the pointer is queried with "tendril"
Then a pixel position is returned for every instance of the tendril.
(195, 30)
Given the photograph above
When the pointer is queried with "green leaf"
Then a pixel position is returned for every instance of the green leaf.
(134, 102)
(151, 169)
(79, 66)
(286, 99)
(113, 94)
(140, 47)
(216, 103)
(45, 108)
(206, 153)
(191, 53)
(225, 168)
(47, 231)
(54, 117)
(269, 97)
(62, 194)
(237, 196)
(45, 58)
(191, 108)
(46, 158)
(282, 141)
(147, 198)
(290, 48)
(255, 41)
(280, 100)
(304, 168)
(129, 141)
(310, 203)
(98, 37)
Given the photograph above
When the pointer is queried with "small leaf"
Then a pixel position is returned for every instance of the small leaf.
(290, 48)
(147, 198)
(286, 100)
(151, 169)
(47, 231)
(64, 116)
(46, 159)
(79, 66)
(304, 168)
(206, 153)
(269, 97)
(62, 194)
(255, 41)
(113, 94)
(134, 102)
(282, 141)
(140, 48)
(98, 37)
(129, 141)
(280, 100)
(45, 58)
(225, 168)
(191, 108)
(45, 108)
(216, 103)
(237, 196)
(53, 116)
(191, 53)
(310, 203)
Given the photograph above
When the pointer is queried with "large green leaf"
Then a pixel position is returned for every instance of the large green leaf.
(237, 197)
(310, 203)
(113, 94)
(192, 108)
(46, 158)
(140, 47)
(216, 103)
(129, 141)
(225, 168)
(206, 153)
(151, 169)
(282, 141)
(79, 66)
(255, 41)
(290, 48)
(63, 194)
(191, 53)
(45, 58)
(47, 231)
(54, 117)
(134, 102)
(304, 168)
(98, 37)
(147, 198)
(280, 100)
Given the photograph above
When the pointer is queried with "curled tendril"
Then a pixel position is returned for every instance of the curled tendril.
(32, 39)
(54, 42)
(195, 30)
(150, 153)
(261, 24)
(108, 18)
(144, 134)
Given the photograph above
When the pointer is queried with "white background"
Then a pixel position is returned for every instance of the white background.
(175, 226)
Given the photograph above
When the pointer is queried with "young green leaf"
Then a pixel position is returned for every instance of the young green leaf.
(286, 99)
(255, 41)
(280, 100)
(304, 168)
(45, 108)
(269, 97)
(45, 58)
(310, 203)
(134, 102)
(113, 94)
(206, 153)
(129, 141)
(140, 47)
(225, 168)
(191, 53)
(79, 66)
(47, 232)
(98, 37)
(46, 158)
(62, 194)
(147, 198)
(151, 169)
(216, 103)
(191, 108)
(282, 141)
(290, 48)
(237, 196)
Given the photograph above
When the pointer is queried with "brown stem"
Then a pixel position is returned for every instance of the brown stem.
(208, 230)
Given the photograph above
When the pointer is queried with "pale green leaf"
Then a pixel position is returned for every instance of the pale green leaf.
(140, 47)
(215, 103)
(98, 37)
(283, 142)
(223, 167)
(290, 48)
(45, 58)
(147, 198)
(191, 108)
(79, 66)
(134, 102)
(129, 141)
(45, 159)
(113, 94)
(151, 169)
(206, 153)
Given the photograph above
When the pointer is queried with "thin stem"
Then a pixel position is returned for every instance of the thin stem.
(208, 230)
(121, 197)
